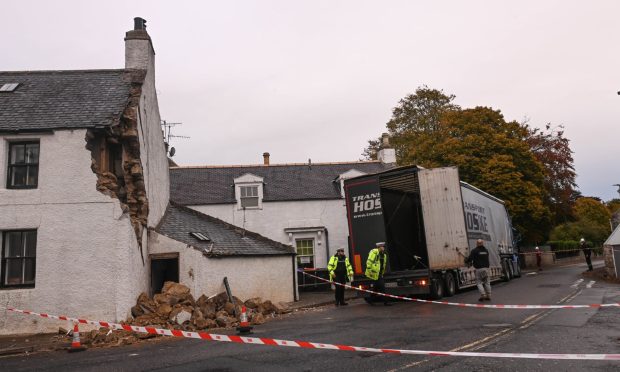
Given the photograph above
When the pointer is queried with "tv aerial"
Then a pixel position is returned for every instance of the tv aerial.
(167, 127)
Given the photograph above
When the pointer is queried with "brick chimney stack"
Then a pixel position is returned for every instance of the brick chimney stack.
(139, 51)
(265, 158)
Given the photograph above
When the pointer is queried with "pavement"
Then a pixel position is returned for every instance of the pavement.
(310, 299)
(30, 343)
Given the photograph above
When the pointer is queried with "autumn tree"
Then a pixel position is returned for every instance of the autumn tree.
(553, 150)
(428, 129)
(493, 155)
(592, 222)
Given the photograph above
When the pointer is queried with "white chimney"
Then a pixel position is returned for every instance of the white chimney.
(386, 155)
(139, 52)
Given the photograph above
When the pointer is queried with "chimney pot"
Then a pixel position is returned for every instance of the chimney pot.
(385, 140)
(266, 158)
(139, 23)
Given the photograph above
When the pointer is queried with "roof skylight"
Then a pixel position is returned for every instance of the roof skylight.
(200, 236)
(9, 87)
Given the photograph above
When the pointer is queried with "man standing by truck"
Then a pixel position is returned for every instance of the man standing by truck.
(375, 269)
(340, 271)
(479, 257)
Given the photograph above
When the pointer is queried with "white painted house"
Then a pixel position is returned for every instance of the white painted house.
(85, 219)
(301, 205)
(84, 173)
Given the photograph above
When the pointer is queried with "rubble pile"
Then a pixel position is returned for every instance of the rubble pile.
(176, 308)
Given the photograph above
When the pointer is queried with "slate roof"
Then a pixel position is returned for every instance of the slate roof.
(46, 100)
(282, 182)
(225, 239)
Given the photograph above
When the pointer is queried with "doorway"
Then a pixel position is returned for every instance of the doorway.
(163, 269)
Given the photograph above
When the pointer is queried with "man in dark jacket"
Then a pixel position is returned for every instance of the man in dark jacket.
(587, 252)
(479, 257)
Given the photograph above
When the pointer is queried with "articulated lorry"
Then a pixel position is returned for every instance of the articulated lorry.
(429, 221)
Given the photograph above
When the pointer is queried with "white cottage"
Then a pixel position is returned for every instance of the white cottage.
(301, 205)
(85, 220)
(85, 174)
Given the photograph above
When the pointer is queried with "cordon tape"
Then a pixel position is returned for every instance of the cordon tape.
(614, 304)
(315, 345)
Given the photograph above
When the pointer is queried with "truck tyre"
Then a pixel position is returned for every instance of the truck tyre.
(517, 270)
(436, 288)
(506, 271)
(450, 284)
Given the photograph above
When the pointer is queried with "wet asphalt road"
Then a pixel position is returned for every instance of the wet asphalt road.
(402, 326)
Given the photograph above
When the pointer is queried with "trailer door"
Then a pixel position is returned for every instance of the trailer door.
(365, 218)
(442, 210)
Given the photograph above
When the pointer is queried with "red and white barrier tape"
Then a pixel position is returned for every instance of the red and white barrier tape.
(315, 345)
(501, 306)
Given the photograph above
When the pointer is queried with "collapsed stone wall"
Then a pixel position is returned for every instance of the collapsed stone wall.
(128, 187)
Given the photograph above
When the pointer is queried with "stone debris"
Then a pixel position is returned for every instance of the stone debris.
(176, 308)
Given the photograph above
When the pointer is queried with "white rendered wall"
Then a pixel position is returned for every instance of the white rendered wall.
(269, 277)
(88, 263)
(274, 217)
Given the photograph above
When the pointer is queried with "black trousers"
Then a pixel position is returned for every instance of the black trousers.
(379, 286)
(589, 260)
(340, 278)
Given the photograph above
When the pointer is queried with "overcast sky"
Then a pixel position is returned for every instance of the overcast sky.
(317, 79)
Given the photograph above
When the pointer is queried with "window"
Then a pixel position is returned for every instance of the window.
(23, 170)
(305, 252)
(19, 251)
(249, 196)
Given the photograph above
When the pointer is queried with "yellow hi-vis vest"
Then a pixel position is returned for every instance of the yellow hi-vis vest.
(331, 267)
(373, 264)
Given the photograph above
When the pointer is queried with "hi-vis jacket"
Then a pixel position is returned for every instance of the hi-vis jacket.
(373, 264)
(333, 263)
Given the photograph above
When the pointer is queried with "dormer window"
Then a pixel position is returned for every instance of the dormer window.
(249, 196)
(249, 191)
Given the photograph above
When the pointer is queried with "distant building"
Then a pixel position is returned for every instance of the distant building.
(301, 204)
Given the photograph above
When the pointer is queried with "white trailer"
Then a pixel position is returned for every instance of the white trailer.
(430, 221)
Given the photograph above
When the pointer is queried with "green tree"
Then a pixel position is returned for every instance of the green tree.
(417, 115)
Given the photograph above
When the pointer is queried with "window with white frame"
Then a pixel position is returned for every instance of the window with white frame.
(19, 253)
(248, 196)
(305, 252)
(23, 166)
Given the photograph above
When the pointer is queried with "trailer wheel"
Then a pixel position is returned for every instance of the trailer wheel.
(506, 271)
(517, 271)
(436, 288)
(450, 284)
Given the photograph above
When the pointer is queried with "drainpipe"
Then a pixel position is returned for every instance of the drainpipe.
(326, 244)
(295, 289)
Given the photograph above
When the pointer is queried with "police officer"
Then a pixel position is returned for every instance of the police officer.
(340, 271)
(375, 269)
(587, 252)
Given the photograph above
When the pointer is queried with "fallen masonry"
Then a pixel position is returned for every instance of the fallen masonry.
(175, 308)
